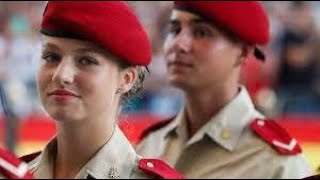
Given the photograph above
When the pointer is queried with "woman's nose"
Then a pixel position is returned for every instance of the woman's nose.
(65, 72)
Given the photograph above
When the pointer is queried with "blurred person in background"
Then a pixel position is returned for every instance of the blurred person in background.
(87, 70)
(298, 65)
(219, 133)
(6, 109)
(21, 65)
(18, 54)
(296, 80)
(10, 119)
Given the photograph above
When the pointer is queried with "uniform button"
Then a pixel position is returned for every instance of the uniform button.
(150, 164)
(225, 134)
(261, 123)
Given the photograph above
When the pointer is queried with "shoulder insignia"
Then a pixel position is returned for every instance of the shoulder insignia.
(13, 168)
(276, 136)
(159, 169)
(155, 127)
(30, 157)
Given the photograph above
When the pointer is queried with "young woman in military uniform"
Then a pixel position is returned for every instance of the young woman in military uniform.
(94, 56)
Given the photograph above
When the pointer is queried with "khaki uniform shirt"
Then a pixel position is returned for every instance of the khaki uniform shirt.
(225, 147)
(116, 159)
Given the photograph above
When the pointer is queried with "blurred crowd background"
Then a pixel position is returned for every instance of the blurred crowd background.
(287, 83)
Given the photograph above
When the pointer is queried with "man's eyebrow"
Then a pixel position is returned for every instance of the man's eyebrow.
(91, 50)
(51, 46)
(192, 21)
(200, 21)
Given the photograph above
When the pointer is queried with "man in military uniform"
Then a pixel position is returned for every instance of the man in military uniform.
(219, 133)
(13, 168)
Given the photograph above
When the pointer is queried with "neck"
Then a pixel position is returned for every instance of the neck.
(201, 107)
(78, 142)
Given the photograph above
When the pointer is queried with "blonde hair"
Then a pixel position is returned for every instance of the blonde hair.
(138, 85)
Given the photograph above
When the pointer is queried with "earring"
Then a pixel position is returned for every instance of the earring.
(118, 91)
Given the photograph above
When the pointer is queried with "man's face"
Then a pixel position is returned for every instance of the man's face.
(198, 55)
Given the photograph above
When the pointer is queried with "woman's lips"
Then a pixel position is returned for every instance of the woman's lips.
(62, 95)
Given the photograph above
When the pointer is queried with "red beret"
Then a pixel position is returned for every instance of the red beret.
(246, 19)
(111, 25)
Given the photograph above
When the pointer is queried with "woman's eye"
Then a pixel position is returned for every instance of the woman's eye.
(51, 58)
(87, 61)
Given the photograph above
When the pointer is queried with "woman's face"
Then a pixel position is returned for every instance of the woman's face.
(77, 80)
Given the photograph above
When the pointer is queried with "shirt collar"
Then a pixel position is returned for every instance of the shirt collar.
(226, 127)
(116, 159)
(44, 163)
(177, 125)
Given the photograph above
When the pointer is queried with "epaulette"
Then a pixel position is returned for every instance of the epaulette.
(159, 169)
(12, 167)
(276, 136)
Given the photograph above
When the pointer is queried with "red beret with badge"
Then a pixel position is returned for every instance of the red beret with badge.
(247, 20)
(111, 25)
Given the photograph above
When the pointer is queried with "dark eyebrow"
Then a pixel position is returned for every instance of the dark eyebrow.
(200, 21)
(51, 46)
(95, 50)
(82, 50)
(192, 21)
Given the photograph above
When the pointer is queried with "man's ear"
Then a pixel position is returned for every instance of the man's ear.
(245, 53)
(128, 77)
